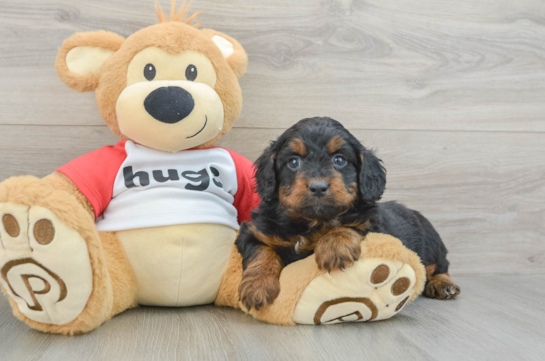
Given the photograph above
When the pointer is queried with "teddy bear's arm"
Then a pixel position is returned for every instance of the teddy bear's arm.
(93, 175)
(246, 198)
(61, 182)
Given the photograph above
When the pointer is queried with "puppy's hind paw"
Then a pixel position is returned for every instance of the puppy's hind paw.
(441, 287)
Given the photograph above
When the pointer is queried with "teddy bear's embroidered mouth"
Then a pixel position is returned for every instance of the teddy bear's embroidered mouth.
(205, 121)
(165, 124)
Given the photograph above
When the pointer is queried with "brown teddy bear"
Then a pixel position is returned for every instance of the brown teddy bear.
(153, 219)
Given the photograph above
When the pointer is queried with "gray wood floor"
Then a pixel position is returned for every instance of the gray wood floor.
(451, 93)
(495, 318)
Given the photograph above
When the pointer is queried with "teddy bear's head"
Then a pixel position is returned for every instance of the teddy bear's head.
(170, 86)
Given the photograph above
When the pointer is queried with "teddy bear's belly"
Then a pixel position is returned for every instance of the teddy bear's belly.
(180, 265)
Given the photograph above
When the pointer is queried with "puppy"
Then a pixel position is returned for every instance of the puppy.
(319, 188)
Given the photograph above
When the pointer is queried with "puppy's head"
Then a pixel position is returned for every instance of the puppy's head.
(317, 170)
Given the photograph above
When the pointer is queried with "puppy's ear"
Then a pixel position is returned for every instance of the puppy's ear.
(265, 174)
(371, 176)
(231, 50)
(82, 56)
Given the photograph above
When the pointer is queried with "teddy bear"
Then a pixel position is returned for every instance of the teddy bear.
(152, 220)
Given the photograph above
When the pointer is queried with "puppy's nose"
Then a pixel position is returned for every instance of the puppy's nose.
(169, 104)
(318, 188)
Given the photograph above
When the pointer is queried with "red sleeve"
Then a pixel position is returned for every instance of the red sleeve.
(94, 174)
(246, 197)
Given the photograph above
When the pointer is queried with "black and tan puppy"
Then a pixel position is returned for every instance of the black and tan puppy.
(319, 188)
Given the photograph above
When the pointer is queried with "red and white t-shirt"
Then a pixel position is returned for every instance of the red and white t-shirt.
(131, 186)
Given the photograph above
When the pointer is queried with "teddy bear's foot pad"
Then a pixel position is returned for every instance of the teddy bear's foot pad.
(373, 289)
(44, 265)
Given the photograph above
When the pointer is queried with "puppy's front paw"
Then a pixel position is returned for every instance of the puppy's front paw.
(337, 251)
(258, 290)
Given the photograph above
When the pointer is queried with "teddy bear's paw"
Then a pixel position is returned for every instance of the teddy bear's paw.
(373, 289)
(44, 265)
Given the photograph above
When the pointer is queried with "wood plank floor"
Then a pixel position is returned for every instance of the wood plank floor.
(495, 318)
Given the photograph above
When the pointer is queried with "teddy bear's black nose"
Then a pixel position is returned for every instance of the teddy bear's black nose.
(169, 104)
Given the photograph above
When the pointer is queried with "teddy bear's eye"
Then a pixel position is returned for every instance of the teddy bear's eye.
(149, 72)
(191, 72)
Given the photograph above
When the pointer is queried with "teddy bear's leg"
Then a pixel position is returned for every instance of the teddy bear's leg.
(378, 286)
(59, 274)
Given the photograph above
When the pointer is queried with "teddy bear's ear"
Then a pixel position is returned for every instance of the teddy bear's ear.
(230, 48)
(82, 56)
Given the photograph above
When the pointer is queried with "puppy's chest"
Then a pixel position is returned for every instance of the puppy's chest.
(307, 242)
(298, 247)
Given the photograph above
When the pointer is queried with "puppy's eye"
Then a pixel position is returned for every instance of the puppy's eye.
(150, 72)
(191, 72)
(294, 163)
(339, 161)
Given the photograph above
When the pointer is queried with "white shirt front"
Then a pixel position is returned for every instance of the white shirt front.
(154, 188)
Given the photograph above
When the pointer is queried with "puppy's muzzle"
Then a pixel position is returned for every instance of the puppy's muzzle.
(318, 188)
(169, 104)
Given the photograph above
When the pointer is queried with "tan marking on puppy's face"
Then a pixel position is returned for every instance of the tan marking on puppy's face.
(334, 144)
(298, 146)
(292, 197)
(298, 196)
(341, 195)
